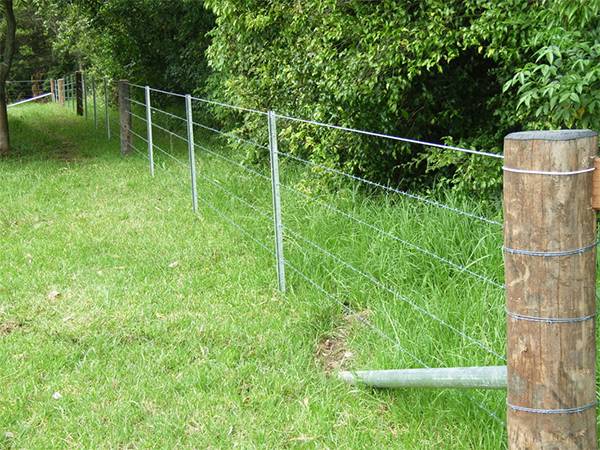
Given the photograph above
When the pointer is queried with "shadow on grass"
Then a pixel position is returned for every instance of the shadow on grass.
(59, 136)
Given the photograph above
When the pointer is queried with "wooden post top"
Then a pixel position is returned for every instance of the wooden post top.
(556, 135)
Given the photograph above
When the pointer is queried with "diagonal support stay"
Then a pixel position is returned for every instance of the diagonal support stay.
(492, 377)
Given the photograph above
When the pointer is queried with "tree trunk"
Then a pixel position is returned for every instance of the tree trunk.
(4, 137)
(9, 50)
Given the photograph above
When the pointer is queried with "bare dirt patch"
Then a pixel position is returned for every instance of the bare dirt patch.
(332, 352)
(9, 327)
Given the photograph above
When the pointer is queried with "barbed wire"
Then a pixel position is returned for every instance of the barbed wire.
(394, 190)
(391, 137)
(458, 267)
(396, 294)
(231, 135)
(385, 336)
(231, 161)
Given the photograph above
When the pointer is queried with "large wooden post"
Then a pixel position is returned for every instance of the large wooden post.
(550, 267)
(79, 92)
(61, 91)
(125, 117)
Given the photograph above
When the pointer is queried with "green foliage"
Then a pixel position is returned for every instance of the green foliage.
(165, 329)
(562, 87)
(459, 72)
(430, 70)
(152, 41)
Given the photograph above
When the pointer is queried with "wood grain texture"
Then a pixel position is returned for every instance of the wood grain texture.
(79, 92)
(596, 185)
(61, 91)
(125, 117)
(550, 365)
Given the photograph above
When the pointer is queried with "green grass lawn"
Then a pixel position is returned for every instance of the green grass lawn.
(126, 321)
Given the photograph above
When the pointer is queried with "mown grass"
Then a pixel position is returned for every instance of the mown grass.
(159, 328)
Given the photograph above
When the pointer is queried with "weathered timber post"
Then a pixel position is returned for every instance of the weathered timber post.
(52, 89)
(550, 269)
(95, 104)
(79, 92)
(85, 96)
(106, 106)
(61, 91)
(125, 117)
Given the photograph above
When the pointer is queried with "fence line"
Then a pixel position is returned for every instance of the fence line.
(450, 263)
(298, 241)
(453, 265)
(365, 322)
(464, 336)
(368, 324)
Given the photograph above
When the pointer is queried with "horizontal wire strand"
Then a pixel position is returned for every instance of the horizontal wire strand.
(138, 151)
(169, 132)
(231, 161)
(234, 224)
(396, 294)
(459, 268)
(168, 114)
(391, 137)
(139, 136)
(174, 158)
(385, 336)
(253, 207)
(232, 135)
(143, 119)
(391, 189)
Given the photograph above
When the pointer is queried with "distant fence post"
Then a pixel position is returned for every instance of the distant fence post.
(94, 103)
(191, 149)
(149, 129)
(85, 96)
(53, 89)
(61, 91)
(79, 92)
(106, 108)
(277, 223)
(550, 270)
(125, 117)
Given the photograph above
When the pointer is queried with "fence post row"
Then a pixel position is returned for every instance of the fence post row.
(124, 117)
(149, 130)
(277, 223)
(106, 110)
(550, 269)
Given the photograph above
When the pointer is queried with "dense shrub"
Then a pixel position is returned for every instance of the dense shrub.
(430, 70)
(461, 72)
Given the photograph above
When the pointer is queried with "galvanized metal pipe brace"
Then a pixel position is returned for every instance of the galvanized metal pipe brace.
(490, 377)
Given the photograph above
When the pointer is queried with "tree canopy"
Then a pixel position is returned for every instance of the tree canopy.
(460, 72)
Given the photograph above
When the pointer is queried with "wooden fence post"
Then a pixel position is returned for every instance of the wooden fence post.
(550, 270)
(79, 92)
(52, 90)
(125, 117)
(61, 91)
